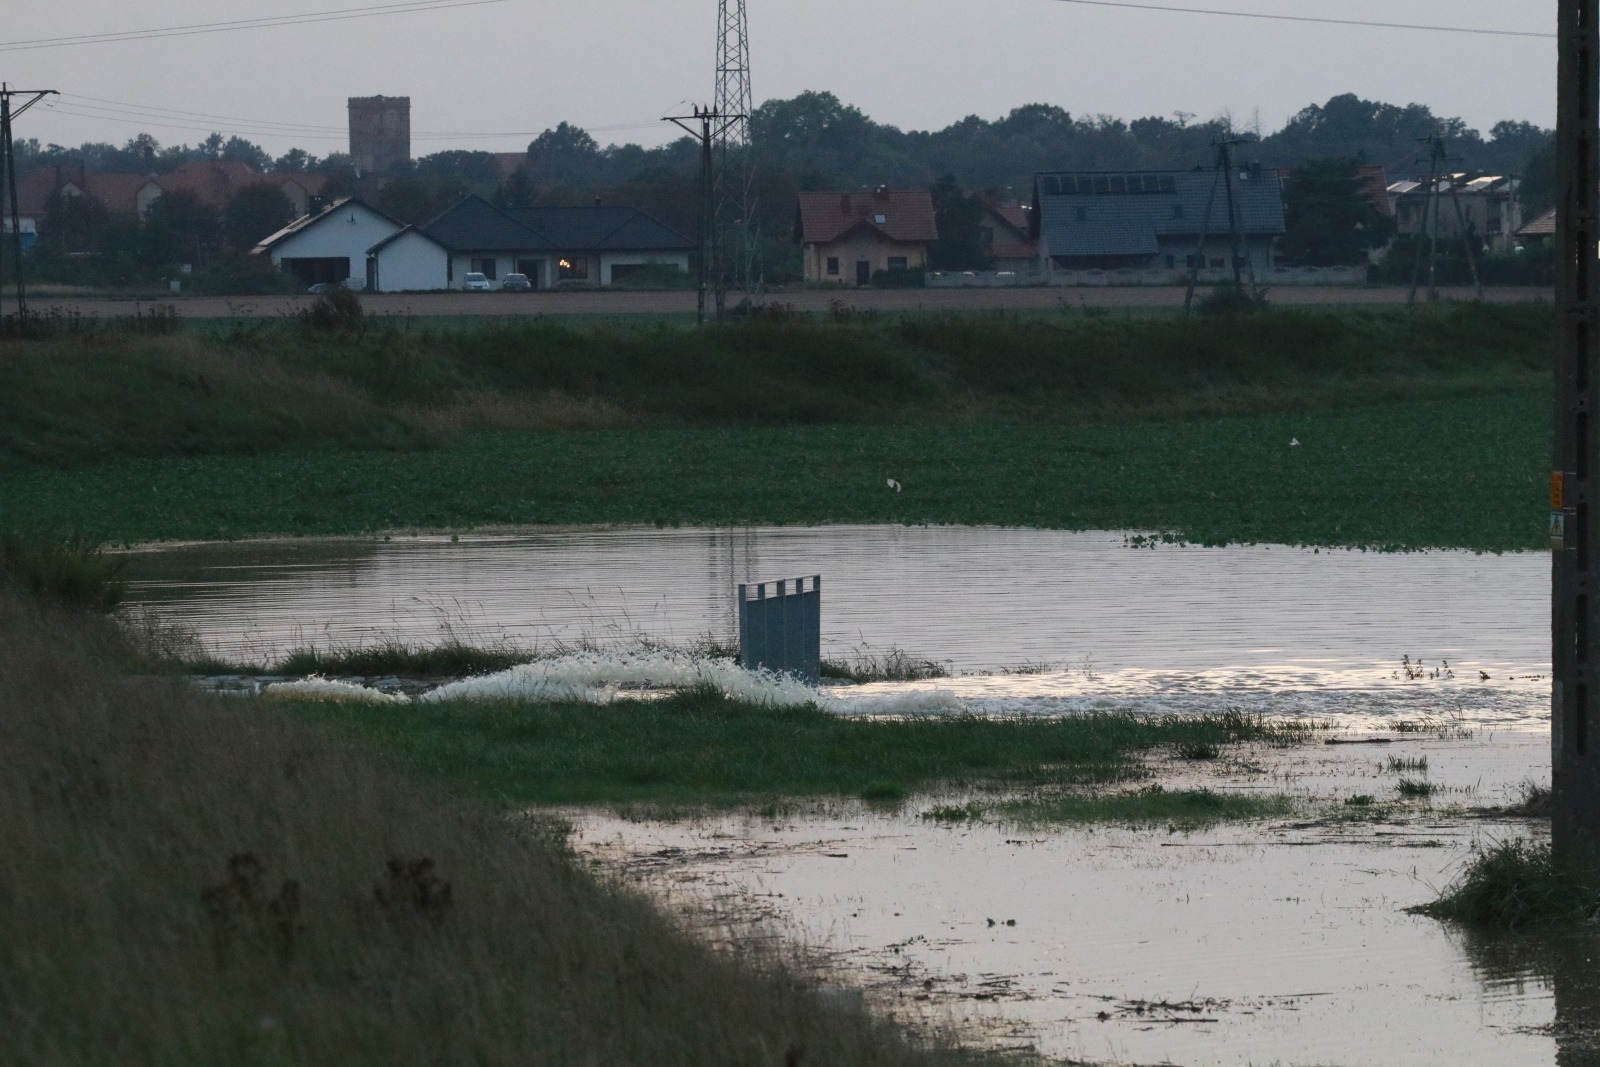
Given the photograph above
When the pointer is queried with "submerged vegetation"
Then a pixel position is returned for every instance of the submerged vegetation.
(1519, 883)
(1414, 429)
(700, 748)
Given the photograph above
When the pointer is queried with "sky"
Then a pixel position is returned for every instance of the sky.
(491, 74)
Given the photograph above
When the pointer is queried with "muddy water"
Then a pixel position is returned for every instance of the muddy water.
(1277, 944)
(1096, 618)
(1284, 944)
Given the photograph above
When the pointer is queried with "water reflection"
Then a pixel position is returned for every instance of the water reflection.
(1564, 963)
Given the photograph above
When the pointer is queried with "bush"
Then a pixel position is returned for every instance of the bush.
(338, 310)
(1231, 300)
(71, 570)
(1515, 884)
(900, 278)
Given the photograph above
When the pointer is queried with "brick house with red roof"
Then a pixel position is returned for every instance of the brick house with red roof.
(849, 236)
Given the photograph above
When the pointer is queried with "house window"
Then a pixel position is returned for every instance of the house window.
(574, 268)
(897, 262)
(1172, 261)
(484, 267)
(833, 265)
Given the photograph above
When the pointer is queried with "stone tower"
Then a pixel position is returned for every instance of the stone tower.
(380, 132)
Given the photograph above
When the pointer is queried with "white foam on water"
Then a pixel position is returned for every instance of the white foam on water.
(318, 688)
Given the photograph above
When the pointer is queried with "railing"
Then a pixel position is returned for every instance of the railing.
(782, 632)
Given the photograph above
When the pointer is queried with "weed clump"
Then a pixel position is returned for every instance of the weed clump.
(1517, 884)
(337, 311)
(73, 570)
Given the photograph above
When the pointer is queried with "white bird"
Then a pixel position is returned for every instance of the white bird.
(894, 485)
(1294, 442)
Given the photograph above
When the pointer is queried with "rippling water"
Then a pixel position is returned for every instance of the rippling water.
(1088, 616)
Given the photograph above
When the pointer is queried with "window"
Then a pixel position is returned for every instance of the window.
(574, 268)
(484, 267)
(833, 265)
(880, 219)
(1172, 261)
(897, 262)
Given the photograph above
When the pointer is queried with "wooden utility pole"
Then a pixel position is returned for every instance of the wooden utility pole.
(1430, 224)
(8, 161)
(708, 123)
(1575, 595)
(1223, 174)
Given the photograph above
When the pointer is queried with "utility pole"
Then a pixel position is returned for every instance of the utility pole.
(1575, 594)
(704, 124)
(8, 161)
(1223, 175)
(733, 190)
(1430, 222)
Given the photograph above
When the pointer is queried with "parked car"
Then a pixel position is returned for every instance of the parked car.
(518, 283)
(476, 283)
(325, 287)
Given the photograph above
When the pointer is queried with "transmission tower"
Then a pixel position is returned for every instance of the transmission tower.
(733, 192)
(8, 190)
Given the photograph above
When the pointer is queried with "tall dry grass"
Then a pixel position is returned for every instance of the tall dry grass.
(189, 880)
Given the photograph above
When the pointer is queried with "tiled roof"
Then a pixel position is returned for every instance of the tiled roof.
(475, 225)
(1013, 250)
(1095, 214)
(1541, 226)
(119, 193)
(212, 182)
(898, 214)
(1014, 215)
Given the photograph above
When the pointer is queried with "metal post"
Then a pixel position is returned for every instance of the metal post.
(1575, 763)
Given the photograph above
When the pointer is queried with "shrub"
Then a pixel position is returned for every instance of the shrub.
(71, 570)
(338, 310)
(1518, 883)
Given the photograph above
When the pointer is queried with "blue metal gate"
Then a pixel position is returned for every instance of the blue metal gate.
(782, 632)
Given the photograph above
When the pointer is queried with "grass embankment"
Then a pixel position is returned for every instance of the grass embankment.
(700, 749)
(1417, 429)
(198, 881)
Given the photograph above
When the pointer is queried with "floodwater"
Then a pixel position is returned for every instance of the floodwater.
(1278, 943)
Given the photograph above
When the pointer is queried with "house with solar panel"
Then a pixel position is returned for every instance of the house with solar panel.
(1155, 227)
(553, 247)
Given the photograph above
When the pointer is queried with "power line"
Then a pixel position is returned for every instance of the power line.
(266, 22)
(1368, 23)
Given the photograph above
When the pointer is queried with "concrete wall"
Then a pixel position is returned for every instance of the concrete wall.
(1277, 277)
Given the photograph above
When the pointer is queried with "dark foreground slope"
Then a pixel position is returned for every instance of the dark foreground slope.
(192, 881)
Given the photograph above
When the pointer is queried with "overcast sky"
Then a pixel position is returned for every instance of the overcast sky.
(492, 76)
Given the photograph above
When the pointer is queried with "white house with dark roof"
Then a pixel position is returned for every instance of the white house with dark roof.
(1156, 221)
(330, 246)
(553, 246)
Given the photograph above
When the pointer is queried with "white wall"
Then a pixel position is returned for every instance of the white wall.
(342, 232)
(411, 262)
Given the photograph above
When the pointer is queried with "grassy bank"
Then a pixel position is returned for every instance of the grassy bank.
(199, 881)
(699, 748)
(1459, 471)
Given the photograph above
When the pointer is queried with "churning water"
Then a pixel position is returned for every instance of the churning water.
(1088, 618)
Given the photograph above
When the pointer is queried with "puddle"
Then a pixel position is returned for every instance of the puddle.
(1277, 943)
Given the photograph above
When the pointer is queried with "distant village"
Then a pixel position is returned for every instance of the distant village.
(1206, 223)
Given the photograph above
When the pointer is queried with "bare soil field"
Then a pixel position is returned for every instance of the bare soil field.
(806, 300)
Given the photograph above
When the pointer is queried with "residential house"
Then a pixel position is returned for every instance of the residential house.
(1173, 221)
(331, 245)
(849, 236)
(553, 246)
(1006, 233)
(1489, 207)
(1536, 232)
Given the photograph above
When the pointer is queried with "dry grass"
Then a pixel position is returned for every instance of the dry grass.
(189, 880)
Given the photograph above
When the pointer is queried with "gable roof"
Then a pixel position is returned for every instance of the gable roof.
(475, 225)
(305, 222)
(117, 193)
(1541, 226)
(1125, 213)
(897, 214)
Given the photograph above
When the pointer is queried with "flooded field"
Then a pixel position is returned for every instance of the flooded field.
(1283, 942)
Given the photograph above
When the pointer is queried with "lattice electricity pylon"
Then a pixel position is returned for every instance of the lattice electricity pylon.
(733, 189)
